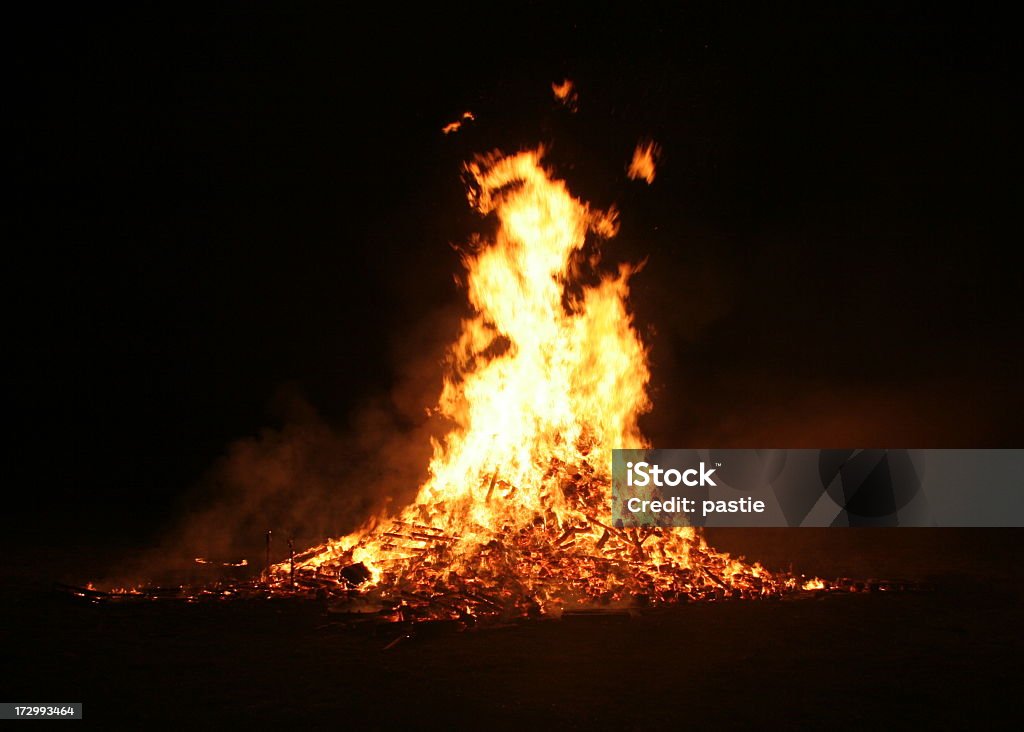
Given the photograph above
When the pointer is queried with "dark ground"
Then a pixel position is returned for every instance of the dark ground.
(947, 658)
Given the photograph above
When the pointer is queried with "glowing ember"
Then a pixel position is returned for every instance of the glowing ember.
(240, 563)
(457, 124)
(544, 380)
(642, 166)
(565, 93)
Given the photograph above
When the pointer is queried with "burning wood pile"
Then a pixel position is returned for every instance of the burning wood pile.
(544, 379)
(542, 567)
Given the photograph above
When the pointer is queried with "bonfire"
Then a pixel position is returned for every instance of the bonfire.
(544, 380)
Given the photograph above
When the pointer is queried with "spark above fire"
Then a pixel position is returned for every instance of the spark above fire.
(543, 380)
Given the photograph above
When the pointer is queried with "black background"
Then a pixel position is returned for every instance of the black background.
(212, 206)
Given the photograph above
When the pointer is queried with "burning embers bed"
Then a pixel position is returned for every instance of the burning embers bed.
(538, 567)
(545, 377)
(430, 594)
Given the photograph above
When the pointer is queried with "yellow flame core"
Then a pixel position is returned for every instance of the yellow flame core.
(545, 378)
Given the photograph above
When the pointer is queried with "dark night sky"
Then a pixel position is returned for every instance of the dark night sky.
(211, 207)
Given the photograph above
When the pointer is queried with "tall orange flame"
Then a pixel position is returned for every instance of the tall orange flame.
(539, 372)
